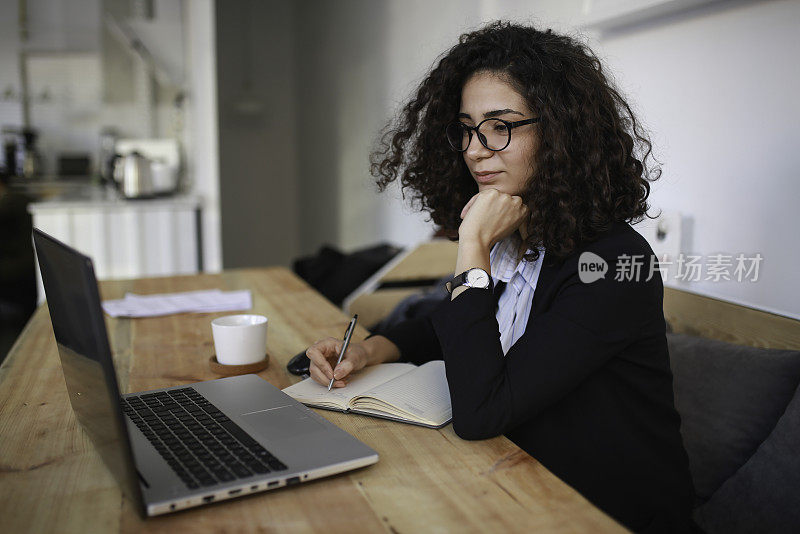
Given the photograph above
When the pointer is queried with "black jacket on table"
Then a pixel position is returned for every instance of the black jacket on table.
(586, 390)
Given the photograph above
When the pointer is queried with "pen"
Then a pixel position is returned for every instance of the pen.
(347, 337)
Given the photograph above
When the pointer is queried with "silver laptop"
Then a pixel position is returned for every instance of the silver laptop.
(183, 446)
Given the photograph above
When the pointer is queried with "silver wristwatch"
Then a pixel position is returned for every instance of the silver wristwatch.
(477, 278)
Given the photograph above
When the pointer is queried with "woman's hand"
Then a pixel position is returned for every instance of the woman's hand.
(491, 216)
(323, 355)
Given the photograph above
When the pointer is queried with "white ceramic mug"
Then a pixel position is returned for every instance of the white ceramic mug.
(240, 339)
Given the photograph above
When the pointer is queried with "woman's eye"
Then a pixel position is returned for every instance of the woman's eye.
(500, 128)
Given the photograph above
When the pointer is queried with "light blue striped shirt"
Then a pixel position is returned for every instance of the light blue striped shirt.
(520, 277)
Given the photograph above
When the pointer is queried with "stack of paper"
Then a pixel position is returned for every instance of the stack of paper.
(206, 301)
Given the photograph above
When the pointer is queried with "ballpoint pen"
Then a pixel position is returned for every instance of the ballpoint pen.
(347, 337)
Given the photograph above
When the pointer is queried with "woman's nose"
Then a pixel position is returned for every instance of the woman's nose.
(476, 150)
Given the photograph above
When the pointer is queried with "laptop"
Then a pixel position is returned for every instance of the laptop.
(179, 447)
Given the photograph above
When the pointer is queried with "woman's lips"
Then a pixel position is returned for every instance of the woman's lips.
(483, 178)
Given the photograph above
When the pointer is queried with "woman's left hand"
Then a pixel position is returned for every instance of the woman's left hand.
(491, 216)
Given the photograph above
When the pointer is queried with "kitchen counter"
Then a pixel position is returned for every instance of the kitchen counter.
(89, 196)
(125, 238)
(44, 187)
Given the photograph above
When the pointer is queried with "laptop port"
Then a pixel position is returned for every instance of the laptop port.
(208, 498)
(273, 483)
(292, 480)
(234, 492)
(253, 488)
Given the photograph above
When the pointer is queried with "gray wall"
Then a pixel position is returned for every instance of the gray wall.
(340, 84)
(357, 62)
(257, 132)
(294, 173)
(10, 107)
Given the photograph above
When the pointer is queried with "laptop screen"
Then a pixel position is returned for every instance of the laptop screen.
(77, 318)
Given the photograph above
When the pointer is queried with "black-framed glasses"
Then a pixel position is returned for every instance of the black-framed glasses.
(494, 134)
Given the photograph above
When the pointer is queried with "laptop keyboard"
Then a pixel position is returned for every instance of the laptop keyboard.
(201, 444)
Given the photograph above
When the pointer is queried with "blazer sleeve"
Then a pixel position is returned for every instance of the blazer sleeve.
(585, 326)
(416, 340)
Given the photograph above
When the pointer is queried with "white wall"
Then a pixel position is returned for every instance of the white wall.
(720, 92)
(717, 87)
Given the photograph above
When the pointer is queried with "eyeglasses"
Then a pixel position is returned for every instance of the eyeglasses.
(494, 134)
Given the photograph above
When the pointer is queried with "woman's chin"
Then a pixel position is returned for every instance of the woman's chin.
(498, 187)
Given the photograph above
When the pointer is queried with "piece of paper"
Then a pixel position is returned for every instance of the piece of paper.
(204, 301)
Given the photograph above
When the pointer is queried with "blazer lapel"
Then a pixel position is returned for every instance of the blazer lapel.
(545, 286)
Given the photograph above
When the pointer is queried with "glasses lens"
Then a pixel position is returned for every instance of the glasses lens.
(494, 133)
(457, 136)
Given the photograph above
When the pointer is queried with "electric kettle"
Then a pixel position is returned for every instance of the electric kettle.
(133, 176)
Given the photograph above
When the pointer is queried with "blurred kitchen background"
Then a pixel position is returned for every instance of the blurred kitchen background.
(177, 136)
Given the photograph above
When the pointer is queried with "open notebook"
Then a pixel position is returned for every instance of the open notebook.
(397, 391)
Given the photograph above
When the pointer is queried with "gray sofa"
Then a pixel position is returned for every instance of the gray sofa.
(740, 421)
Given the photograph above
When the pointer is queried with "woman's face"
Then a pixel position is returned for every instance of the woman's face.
(486, 95)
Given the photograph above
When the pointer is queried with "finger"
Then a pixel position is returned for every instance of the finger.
(320, 378)
(331, 343)
(468, 206)
(317, 375)
(333, 348)
(320, 359)
(344, 368)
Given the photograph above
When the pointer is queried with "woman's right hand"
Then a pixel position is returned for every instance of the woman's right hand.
(490, 216)
(323, 355)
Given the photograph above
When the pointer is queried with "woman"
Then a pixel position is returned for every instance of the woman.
(518, 141)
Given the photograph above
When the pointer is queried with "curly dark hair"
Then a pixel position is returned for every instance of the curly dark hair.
(590, 169)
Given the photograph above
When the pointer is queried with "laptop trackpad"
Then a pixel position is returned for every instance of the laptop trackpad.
(283, 422)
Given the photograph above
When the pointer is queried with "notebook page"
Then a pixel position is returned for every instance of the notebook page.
(422, 393)
(310, 392)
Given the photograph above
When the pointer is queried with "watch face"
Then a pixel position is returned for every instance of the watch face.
(477, 278)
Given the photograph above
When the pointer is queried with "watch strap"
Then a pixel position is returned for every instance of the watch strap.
(457, 280)
(461, 279)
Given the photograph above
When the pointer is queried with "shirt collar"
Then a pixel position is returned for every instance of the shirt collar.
(505, 265)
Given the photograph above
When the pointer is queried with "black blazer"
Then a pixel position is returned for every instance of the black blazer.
(586, 390)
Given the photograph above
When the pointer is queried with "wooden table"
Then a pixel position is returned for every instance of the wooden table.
(52, 480)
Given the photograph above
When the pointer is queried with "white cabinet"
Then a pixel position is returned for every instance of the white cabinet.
(127, 239)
